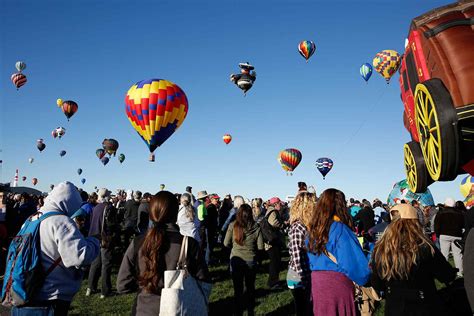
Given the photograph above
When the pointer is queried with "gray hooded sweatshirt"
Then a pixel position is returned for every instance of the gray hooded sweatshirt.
(60, 237)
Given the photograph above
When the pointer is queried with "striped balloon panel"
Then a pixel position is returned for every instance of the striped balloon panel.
(289, 159)
(69, 108)
(306, 49)
(18, 79)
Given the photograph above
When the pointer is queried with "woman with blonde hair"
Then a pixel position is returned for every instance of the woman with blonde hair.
(299, 276)
(257, 209)
(405, 264)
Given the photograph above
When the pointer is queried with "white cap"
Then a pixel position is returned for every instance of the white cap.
(449, 202)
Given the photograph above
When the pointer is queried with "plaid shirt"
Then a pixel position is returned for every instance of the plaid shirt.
(296, 246)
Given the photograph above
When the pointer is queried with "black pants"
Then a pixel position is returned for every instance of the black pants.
(243, 271)
(274, 266)
(102, 267)
(302, 298)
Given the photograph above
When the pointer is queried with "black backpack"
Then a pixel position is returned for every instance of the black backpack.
(269, 233)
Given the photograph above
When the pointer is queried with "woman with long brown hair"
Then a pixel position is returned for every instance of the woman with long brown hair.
(335, 256)
(405, 264)
(149, 255)
(245, 239)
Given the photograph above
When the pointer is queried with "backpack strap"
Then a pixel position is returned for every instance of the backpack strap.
(58, 260)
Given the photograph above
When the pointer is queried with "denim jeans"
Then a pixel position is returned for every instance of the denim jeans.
(48, 308)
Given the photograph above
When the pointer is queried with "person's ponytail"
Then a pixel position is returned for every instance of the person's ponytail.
(150, 251)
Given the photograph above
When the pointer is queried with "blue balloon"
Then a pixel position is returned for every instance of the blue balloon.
(366, 71)
(83, 180)
(79, 171)
(324, 165)
(62, 153)
(105, 160)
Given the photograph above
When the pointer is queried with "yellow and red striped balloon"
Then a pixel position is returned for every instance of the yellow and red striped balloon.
(227, 138)
(289, 159)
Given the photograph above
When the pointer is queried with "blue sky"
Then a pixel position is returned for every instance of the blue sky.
(93, 51)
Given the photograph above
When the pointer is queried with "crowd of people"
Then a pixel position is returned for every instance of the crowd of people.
(344, 255)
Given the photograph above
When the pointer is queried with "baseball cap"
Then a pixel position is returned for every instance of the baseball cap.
(215, 196)
(274, 200)
(405, 211)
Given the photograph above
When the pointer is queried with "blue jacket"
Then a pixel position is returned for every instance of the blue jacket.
(343, 245)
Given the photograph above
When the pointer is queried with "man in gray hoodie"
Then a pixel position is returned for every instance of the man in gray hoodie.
(60, 238)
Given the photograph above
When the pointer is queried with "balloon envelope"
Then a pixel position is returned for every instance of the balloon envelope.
(306, 49)
(23, 178)
(31, 160)
(41, 146)
(324, 165)
(105, 160)
(467, 186)
(156, 108)
(386, 63)
(34, 181)
(69, 108)
(83, 180)
(121, 158)
(20, 66)
(79, 171)
(366, 71)
(100, 153)
(18, 79)
(62, 153)
(289, 159)
(227, 138)
(110, 145)
(401, 191)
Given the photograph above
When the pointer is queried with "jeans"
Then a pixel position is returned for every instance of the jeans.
(47, 308)
(447, 244)
(243, 270)
(101, 267)
(274, 265)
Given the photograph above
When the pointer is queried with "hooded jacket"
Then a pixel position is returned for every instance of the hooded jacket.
(60, 237)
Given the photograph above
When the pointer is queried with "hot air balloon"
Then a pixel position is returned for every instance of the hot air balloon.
(41, 146)
(306, 49)
(62, 153)
(18, 79)
(110, 146)
(69, 107)
(289, 159)
(121, 158)
(105, 160)
(79, 171)
(83, 180)
(324, 165)
(227, 138)
(162, 187)
(34, 181)
(23, 178)
(246, 78)
(467, 186)
(156, 108)
(59, 102)
(100, 153)
(366, 71)
(31, 160)
(386, 63)
(51, 186)
(58, 132)
(20, 66)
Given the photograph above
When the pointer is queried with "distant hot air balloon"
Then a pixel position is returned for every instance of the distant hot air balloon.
(31, 160)
(83, 180)
(289, 159)
(51, 186)
(110, 145)
(246, 78)
(156, 108)
(306, 49)
(105, 160)
(59, 102)
(69, 108)
(41, 146)
(20, 66)
(100, 153)
(62, 153)
(121, 158)
(79, 171)
(162, 187)
(227, 138)
(324, 165)
(58, 132)
(386, 63)
(366, 71)
(18, 79)
(23, 178)
(34, 181)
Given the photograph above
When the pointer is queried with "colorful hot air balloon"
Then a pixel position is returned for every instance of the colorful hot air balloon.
(467, 186)
(62, 153)
(104, 160)
(58, 132)
(306, 49)
(121, 158)
(20, 66)
(366, 71)
(100, 153)
(83, 180)
(227, 138)
(34, 181)
(41, 146)
(18, 79)
(110, 146)
(386, 63)
(79, 171)
(289, 159)
(23, 178)
(324, 165)
(156, 108)
(31, 160)
(69, 108)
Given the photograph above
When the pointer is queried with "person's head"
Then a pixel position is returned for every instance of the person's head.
(189, 189)
(377, 203)
(351, 200)
(449, 202)
(415, 203)
(257, 203)
(163, 210)
(302, 186)
(243, 220)
(103, 195)
(215, 199)
(146, 197)
(93, 198)
(238, 201)
(84, 196)
(137, 195)
(302, 208)
(385, 216)
(330, 207)
(459, 206)
(64, 198)
(185, 199)
(397, 250)
(275, 202)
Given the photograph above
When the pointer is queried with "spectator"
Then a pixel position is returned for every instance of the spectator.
(366, 221)
(131, 215)
(187, 218)
(143, 216)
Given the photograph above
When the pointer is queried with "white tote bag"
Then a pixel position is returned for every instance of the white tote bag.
(183, 294)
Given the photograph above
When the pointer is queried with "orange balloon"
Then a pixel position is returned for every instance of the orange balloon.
(227, 138)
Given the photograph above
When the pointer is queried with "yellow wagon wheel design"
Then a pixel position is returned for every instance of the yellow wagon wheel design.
(428, 127)
(410, 168)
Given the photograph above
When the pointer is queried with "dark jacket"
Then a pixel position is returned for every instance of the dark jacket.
(132, 263)
(417, 294)
(366, 219)
(449, 222)
(131, 214)
(110, 227)
(468, 268)
(468, 221)
(143, 217)
(212, 219)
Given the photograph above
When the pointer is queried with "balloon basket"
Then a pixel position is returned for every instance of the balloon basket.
(151, 158)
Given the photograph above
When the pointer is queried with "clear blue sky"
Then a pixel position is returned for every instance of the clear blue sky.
(93, 51)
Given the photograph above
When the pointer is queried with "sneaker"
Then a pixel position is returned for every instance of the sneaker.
(102, 296)
(88, 292)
